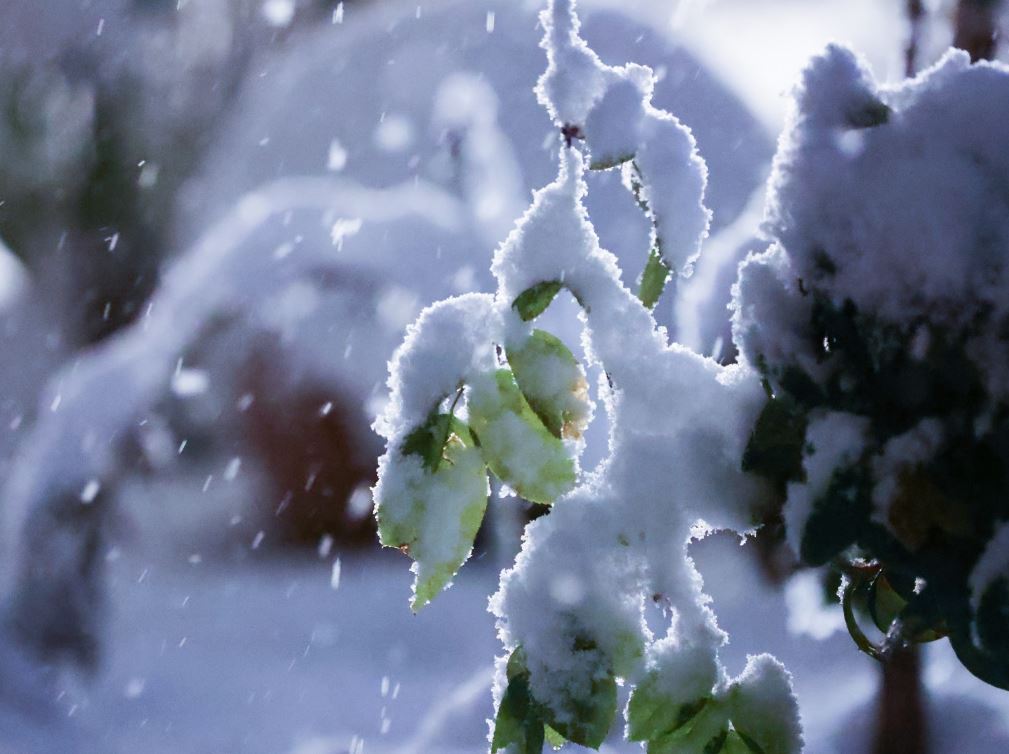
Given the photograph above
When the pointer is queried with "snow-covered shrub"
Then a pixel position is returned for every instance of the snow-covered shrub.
(878, 321)
(871, 398)
(476, 387)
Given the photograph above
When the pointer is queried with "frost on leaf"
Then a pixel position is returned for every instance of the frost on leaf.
(610, 107)
(533, 301)
(763, 709)
(518, 448)
(553, 382)
(753, 714)
(433, 513)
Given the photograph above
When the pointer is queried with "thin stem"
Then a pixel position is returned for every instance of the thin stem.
(859, 637)
(657, 271)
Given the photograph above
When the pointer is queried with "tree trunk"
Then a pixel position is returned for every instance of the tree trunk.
(900, 725)
(976, 28)
(915, 17)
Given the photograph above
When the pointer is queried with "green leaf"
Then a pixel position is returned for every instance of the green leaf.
(869, 115)
(515, 443)
(428, 441)
(775, 446)
(704, 733)
(418, 511)
(738, 743)
(650, 714)
(611, 161)
(519, 720)
(592, 717)
(517, 723)
(653, 279)
(533, 301)
(763, 709)
(752, 747)
(550, 378)
(992, 618)
(516, 666)
(885, 605)
(838, 515)
(555, 739)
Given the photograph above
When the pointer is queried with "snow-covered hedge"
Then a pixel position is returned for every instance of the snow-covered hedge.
(878, 320)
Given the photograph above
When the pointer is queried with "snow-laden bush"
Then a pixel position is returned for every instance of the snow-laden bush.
(878, 320)
(476, 387)
(870, 400)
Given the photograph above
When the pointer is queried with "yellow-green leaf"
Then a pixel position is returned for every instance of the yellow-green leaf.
(515, 443)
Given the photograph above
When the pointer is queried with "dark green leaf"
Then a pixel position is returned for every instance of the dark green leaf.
(751, 746)
(884, 603)
(775, 447)
(838, 515)
(992, 618)
(716, 744)
(518, 722)
(653, 279)
(869, 115)
(429, 440)
(533, 301)
(650, 715)
(592, 717)
(991, 669)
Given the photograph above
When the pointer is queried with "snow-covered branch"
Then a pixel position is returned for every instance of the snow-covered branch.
(55, 501)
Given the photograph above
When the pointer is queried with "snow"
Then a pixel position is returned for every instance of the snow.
(587, 569)
(613, 532)
(898, 209)
(762, 704)
(449, 343)
(613, 108)
(686, 412)
(891, 201)
(96, 399)
(247, 621)
(575, 78)
(835, 441)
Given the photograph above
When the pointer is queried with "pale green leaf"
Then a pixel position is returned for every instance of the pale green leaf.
(515, 443)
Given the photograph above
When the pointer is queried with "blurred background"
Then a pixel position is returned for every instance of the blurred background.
(217, 218)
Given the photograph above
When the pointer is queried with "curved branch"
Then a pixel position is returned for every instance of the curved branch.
(50, 532)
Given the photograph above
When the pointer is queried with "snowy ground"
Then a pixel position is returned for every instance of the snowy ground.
(265, 656)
